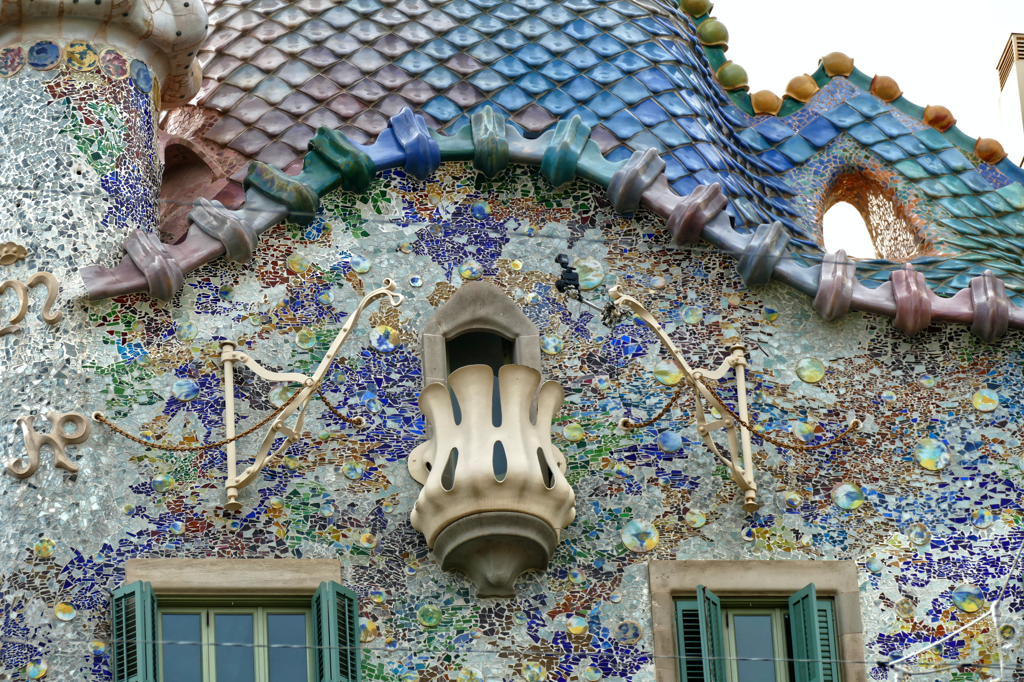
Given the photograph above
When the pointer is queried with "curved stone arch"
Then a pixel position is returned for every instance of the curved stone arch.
(478, 307)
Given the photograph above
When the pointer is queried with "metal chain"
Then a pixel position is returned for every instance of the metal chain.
(101, 418)
(356, 422)
(854, 426)
(625, 423)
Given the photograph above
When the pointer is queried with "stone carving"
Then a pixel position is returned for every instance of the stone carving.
(490, 146)
(11, 253)
(564, 149)
(21, 289)
(422, 153)
(58, 438)
(835, 289)
(689, 216)
(494, 498)
(913, 304)
(991, 307)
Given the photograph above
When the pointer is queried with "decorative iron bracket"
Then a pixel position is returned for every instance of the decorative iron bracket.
(738, 436)
(298, 402)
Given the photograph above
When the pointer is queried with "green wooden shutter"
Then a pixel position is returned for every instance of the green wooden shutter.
(803, 627)
(688, 642)
(709, 613)
(828, 642)
(133, 633)
(336, 629)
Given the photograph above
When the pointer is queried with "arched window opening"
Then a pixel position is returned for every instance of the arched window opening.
(186, 177)
(865, 219)
(478, 348)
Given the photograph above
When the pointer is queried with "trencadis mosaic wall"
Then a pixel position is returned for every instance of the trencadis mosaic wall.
(936, 463)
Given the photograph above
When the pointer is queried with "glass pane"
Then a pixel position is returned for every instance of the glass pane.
(182, 662)
(235, 663)
(754, 640)
(287, 665)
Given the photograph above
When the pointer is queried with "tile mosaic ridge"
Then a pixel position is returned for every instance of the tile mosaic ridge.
(713, 40)
(563, 153)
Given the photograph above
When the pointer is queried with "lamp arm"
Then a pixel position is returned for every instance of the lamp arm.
(302, 397)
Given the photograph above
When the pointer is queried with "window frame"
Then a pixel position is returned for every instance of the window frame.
(748, 579)
(208, 628)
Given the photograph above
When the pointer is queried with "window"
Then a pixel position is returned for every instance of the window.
(863, 215)
(757, 640)
(706, 614)
(206, 642)
(478, 348)
(232, 643)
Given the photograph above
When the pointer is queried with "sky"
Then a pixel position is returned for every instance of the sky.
(939, 52)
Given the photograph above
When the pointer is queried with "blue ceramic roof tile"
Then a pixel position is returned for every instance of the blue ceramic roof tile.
(911, 145)
(619, 154)
(975, 180)
(674, 104)
(650, 24)
(605, 45)
(706, 177)
(1014, 194)
(776, 161)
(976, 205)
(508, 12)
(512, 98)
(486, 52)
(933, 139)
(439, 49)
(843, 116)
(510, 40)
(604, 17)
(671, 134)
(556, 15)
(693, 128)
(797, 149)
(868, 105)
(581, 30)
(819, 132)
(557, 42)
(581, 58)
(630, 90)
(440, 78)
(931, 163)
(685, 185)
(605, 73)
(653, 52)
(630, 62)
(460, 9)
(673, 169)
(735, 116)
(646, 140)
(954, 206)
(415, 62)
(535, 84)
(532, 27)
(442, 108)
(463, 36)
(911, 169)
(866, 134)
(889, 151)
(605, 104)
(487, 24)
(954, 184)
(558, 71)
(774, 130)
(955, 160)
(890, 125)
(753, 139)
(692, 100)
(655, 80)
(624, 125)
(487, 80)
(510, 67)
(933, 188)
(556, 102)
(648, 112)
(690, 159)
(582, 88)
(627, 8)
(534, 55)
(630, 34)
(588, 117)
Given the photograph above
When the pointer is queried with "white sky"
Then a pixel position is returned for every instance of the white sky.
(939, 51)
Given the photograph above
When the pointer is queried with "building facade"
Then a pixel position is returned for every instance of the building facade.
(476, 341)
